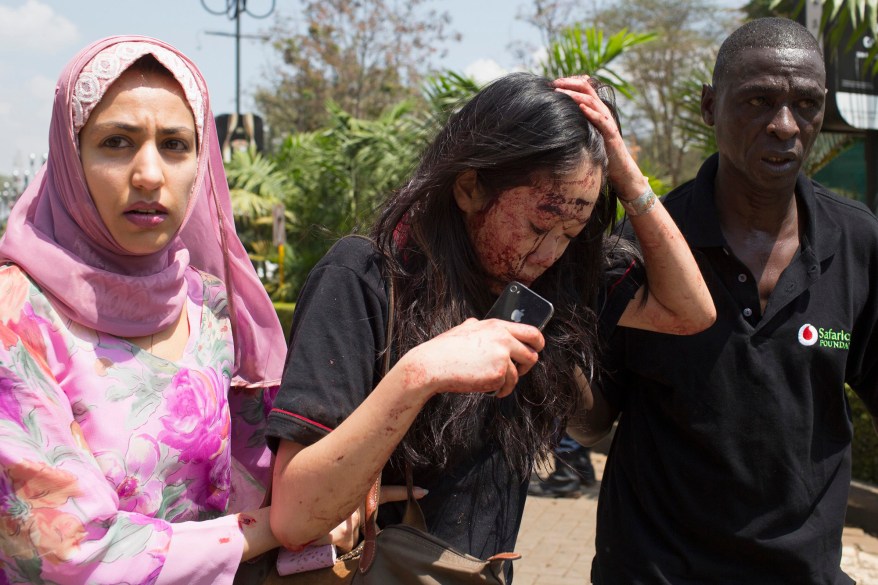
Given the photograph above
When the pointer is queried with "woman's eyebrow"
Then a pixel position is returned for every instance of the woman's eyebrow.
(134, 128)
(176, 130)
(124, 126)
(557, 200)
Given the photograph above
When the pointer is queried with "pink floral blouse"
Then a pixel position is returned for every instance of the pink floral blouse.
(117, 466)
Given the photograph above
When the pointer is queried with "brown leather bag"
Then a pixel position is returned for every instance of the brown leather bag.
(403, 554)
(406, 554)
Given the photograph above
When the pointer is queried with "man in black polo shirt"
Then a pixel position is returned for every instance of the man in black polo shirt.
(731, 460)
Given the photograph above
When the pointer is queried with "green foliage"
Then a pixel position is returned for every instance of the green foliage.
(826, 147)
(338, 176)
(285, 315)
(658, 186)
(843, 22)
(445, 92)
(573, 51)
(865, 443)
(848, 20)
(255, 185)
(688, 93)
(761, 8)
(568, 55)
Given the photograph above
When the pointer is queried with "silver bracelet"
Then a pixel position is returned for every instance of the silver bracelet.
(640, 206)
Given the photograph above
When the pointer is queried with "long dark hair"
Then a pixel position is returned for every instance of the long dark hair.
(512, 133)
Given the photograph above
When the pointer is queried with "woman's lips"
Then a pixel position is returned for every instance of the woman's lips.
(146, 218)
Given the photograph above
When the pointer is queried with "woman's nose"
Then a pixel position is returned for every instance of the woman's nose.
(148, 173)
(549, 250)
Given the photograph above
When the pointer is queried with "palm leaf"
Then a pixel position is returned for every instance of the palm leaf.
(577, 51)
(840, 17)
(827, 146)
(255, 185)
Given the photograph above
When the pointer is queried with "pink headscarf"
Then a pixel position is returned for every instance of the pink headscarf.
(57, 236)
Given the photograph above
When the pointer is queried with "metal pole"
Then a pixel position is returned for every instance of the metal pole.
(280, 266)
(241, 6)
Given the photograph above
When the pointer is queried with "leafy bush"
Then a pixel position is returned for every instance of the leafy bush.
(338, 177)
(285, 314)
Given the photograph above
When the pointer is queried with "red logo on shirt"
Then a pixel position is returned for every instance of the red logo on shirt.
(808, 335)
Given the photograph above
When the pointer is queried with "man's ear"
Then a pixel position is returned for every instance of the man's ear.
(708, 101)
(467, 192)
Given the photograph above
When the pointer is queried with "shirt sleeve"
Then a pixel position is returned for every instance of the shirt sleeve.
(622, 283)
(188, 560)
(60, 520)
(623, 277)
(337, 334)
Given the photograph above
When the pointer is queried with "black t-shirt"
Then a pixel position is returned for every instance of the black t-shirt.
(731, 460)
(333, 362)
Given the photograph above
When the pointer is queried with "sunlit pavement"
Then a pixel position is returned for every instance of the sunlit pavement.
(557, 541)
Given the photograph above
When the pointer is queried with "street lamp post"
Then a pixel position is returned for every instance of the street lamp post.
(234, 9)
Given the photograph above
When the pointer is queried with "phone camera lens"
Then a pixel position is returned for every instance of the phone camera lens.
(513, 288)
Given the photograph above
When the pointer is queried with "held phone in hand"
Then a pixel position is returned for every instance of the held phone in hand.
(519, 304)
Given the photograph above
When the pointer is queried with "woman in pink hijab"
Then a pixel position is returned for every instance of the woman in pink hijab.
(139, 352)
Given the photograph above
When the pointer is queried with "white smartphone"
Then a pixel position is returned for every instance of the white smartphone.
(519, 304)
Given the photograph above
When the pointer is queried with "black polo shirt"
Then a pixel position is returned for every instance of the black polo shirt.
(731, 461)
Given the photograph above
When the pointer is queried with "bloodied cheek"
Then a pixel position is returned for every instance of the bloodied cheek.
(501, 233)
(524, 230)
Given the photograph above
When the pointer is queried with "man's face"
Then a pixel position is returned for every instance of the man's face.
(766, 113)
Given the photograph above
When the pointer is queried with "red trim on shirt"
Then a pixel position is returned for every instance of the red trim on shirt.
(621, 278)
(302, 418)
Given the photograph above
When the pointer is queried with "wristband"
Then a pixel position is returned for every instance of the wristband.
(640, 206)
